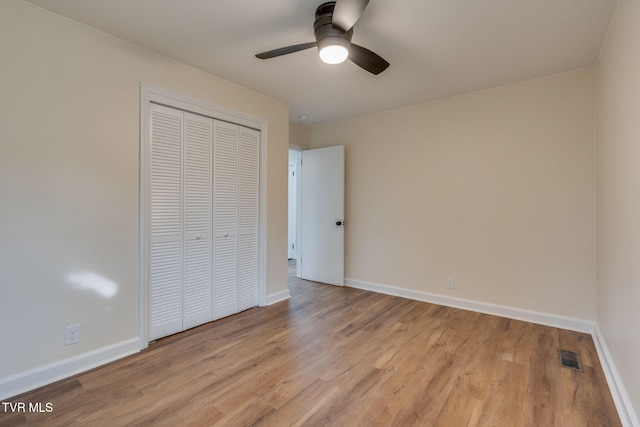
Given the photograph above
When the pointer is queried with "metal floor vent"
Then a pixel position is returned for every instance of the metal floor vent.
(569, 359)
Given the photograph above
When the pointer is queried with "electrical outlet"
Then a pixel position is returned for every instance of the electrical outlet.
(72, 334)
(449, 284)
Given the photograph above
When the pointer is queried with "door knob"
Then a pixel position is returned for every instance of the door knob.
(338, 223)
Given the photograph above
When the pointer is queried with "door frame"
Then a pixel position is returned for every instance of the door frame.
(152, 94)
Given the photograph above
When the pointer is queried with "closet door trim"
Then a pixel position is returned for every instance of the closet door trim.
(150, 94)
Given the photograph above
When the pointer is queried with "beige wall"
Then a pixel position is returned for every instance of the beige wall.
(299, 135)
(618, 188)
(69, 179)
(495, 189)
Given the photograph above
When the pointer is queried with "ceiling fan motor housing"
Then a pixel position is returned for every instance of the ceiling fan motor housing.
(325, 32)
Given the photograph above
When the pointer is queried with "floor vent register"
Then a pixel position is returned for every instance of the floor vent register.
(569, 359)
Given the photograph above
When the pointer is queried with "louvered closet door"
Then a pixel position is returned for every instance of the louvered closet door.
(198, 302)
(248, 217)
(165, 270)
(225, 218)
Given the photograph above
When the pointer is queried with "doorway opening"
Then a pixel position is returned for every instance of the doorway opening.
(294, 162)
(316, 214)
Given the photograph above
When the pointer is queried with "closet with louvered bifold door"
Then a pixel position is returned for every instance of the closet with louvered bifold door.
(203, 258)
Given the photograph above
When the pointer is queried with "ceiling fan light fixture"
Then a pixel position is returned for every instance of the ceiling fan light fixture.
(333, 50)
(333, 30)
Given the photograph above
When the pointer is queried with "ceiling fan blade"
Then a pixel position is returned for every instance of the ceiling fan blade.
(286, 50)
(347, 12)
(366, 59)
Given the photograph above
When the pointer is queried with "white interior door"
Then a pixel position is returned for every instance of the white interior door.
(225, 218)
(165, 261)
(198, 254)
(248, 194)
(321, 252)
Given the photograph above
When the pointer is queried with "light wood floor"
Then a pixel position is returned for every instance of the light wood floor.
(335, 356)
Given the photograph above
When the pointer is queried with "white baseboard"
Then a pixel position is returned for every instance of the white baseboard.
(22, 382)
(625, 409)
(278, 297)
(548, 319)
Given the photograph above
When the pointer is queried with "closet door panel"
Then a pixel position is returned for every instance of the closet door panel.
(198, 303)
(166, 292)
(165, 264)
(225, 170)
(248, 272)
(248, 173)
(198, 292)
(248, 180)
(204, 198)
(197, 165)
(226, 277)
(225, 218)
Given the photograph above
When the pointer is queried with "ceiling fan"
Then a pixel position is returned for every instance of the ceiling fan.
(333, 29)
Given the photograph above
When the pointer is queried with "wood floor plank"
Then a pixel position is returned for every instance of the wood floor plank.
(505, 397)
(301, 406)
(458, 410)
(341, 357)
(543, 405)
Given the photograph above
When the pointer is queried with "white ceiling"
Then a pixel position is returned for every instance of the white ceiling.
(437, 48)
